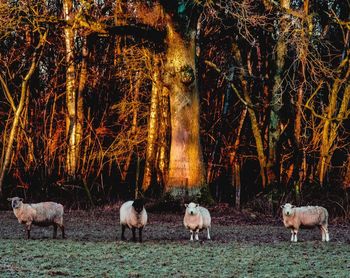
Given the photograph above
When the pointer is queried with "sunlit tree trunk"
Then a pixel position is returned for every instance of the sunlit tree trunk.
(298, 171)
(153, 126)
(236, 180)
(257, 136)
(18, 109)
(80, 103)
(184, 174)
(164, 137)
(235, 163)
(186, 168)
(73, 98)
(330, 127)
(119, 15)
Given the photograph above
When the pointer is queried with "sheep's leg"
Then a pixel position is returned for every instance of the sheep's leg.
(140, 234)
(208, 233)
(191, 238)
(133, 234)
(295, 235)
(54, 230)
(292, 238)
(28, 226)
(62, 231)
(123, 231)
(197, 232)
(325, 234)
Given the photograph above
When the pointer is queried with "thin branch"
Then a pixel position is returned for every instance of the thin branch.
(7, 94)
(215, 67)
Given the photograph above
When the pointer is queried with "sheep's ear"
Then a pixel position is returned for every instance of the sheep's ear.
(186, 205)
(293, 206)
(282, 206)
(9, 199)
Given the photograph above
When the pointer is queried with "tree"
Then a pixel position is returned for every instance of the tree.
(276, 98)
(186, 168)
(74, 90)
(17, 110)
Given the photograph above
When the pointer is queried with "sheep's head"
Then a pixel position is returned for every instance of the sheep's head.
(192, 208)
(288, 209)
(16, 202)
(138, 205)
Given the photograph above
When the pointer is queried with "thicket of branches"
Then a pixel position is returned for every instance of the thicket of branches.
(274, 92)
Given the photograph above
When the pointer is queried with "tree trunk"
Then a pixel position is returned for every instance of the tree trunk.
(277, 102)
(253, 119)
(186, 168)
(164, 137)
(235, 164)
(236, 180)
(257, 136)
(346, 181)
(80, 99)
(153, 126)
(74, 101)
(302, 52)
(330, 128)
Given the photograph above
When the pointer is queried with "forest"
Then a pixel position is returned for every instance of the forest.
(226, 101)
(227, 116)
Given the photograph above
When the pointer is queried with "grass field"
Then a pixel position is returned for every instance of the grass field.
(240, 248)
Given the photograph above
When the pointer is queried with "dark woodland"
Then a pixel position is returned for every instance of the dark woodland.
(231, 101)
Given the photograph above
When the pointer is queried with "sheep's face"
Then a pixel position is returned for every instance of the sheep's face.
(138, 205)
(15, 202)
(288, 209)
(192, 208)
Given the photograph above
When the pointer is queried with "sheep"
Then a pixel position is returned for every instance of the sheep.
(133, 215)
(40, 214)
(197, 218)
(305, 217)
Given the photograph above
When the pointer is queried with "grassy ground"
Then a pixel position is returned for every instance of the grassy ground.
(241, 247)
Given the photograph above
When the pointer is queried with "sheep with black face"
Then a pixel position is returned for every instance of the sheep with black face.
(40, 214)
(133, 215)
(197, 218)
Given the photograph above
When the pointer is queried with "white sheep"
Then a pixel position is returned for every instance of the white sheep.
(305, 217)
(197, 218)
(40, 214)
(134, 216)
